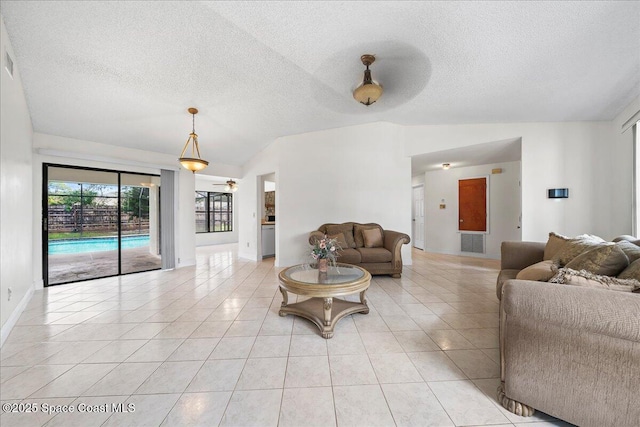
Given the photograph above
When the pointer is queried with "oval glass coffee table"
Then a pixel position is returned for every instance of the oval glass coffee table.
(322, 307)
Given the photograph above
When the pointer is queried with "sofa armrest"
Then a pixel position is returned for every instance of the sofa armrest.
(519, 255)
(314, 236)
(599, 311)
(393, 241)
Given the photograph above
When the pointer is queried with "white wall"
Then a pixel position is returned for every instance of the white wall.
(577, 156)
(356, 174)
(205, 239)
(16, 188)
(441, 225)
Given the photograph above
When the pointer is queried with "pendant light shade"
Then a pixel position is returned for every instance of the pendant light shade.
(369, 91)
(193, 163)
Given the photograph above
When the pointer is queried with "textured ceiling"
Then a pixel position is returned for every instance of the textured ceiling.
(124, 73)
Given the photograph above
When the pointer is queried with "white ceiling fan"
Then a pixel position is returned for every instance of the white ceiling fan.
(230, 186)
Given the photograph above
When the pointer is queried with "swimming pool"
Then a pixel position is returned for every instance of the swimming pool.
(96, 244)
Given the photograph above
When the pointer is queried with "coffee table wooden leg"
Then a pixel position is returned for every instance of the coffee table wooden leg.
(328, 302)
(285, 301)
(363, 300)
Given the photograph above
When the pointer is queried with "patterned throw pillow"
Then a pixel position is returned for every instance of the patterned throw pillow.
(567, 276)
(575, 247)
(606, 260)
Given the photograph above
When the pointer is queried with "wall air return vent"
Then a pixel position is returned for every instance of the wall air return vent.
(472, 243)
(8, 63)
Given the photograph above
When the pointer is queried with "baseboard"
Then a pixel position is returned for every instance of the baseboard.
(13, 319)
(38, 284)
(248, 255)
(186, 262)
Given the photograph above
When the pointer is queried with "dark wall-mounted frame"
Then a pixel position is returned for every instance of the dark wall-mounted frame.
(558, 193)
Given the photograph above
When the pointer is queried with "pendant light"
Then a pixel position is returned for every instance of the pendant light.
(192, 163)
(369, 91)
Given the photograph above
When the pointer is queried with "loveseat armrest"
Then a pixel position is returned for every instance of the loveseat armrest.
(314, 236)
(598, 311)
(393, 241)
(519, 255)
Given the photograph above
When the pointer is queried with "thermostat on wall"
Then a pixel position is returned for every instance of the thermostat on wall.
(558, 193)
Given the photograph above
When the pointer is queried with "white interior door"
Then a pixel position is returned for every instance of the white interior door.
(418, 217)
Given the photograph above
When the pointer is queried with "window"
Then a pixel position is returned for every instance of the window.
(214, 212)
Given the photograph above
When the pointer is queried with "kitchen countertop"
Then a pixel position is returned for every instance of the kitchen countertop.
(268, 223)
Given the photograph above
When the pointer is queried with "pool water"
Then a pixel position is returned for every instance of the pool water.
(96, 244)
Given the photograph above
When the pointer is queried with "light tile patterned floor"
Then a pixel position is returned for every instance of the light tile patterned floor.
(205, 346)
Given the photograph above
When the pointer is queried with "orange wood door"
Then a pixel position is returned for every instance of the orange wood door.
(472, 204)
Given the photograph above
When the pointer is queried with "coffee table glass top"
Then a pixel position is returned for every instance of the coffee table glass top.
(342, 273)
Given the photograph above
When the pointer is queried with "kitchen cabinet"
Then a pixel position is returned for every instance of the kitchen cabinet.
(268, 240)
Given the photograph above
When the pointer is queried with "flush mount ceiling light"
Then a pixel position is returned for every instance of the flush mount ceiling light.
(369, 91)
(192, 163)
(446, 166)
(231, 185)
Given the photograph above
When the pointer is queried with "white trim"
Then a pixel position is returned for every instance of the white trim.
(632, 121)
(186, 263)
(13, 319)
(104, 159)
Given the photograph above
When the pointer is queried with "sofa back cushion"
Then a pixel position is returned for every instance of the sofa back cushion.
(607, 259)
(357, 232)
(631, 250)
(631, 272)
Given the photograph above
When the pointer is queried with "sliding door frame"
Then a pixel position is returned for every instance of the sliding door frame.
(45, 219)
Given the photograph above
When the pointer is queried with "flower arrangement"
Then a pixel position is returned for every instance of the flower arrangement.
(326, 248)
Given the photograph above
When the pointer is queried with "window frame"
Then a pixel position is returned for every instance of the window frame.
(213, 216)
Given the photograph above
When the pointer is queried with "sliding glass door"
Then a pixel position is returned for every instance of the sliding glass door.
(98, 223)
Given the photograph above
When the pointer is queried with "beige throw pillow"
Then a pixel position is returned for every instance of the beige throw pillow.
(340, 240)
(346, 229)
(568, 276)
(605, 260)
(372, 238)
(554, 244)
(541, 271)
(357, 233)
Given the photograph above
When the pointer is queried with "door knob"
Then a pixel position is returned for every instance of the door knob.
(461, 220)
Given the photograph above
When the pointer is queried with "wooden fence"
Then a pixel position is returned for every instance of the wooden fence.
(92, 218)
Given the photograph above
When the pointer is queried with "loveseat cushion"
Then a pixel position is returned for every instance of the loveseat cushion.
(341, 241)
(346, 229)
(575, 247)
(608, 259)
(541, 271)
(374, 254)
(357, 233)
(349, 256)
